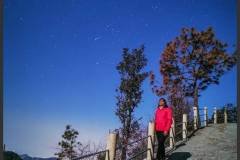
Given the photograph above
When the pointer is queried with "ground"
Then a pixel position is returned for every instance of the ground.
(215, 142)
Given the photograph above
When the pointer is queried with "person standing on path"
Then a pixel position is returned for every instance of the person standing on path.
(163, 122)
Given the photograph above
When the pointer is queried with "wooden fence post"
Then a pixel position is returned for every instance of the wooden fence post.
(184, 127)
(215, 115)
(195, 118)
(225, 115)
(205, 116)
(111, 146)
(150, 153)
(172, 134)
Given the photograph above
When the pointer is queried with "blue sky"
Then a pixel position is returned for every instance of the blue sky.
(60, 59)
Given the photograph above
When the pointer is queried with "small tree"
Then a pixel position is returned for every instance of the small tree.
(92, 147)
(68, 144)
(10, 155)
(193, 61)
(129, 92)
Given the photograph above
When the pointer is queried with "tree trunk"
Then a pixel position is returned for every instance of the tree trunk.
(124, 148)
(123, 152)
(196, 103)
(126, 138)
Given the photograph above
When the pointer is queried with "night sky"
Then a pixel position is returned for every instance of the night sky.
(60, 60)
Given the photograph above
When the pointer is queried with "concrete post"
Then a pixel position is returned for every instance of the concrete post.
(111, 146)
(173, 126)
(225, 115)
(195, 117)
(205, 117)
(150, 141)
(215, 115)
(172, 134)
(184, 127)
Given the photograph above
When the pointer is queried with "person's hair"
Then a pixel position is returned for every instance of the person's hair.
(165, 102)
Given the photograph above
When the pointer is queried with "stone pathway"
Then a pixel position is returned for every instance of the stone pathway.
(215, 142)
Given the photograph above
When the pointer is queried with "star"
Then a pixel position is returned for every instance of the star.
(75, 35)
(111, 29)
(54, 46)
(206, 15)
(52, 36)
(191, 19)
(42, 76)
(155, 7)
(21, 19)
(97, 38)
(26, 67)
(52, 66)
(108, 25)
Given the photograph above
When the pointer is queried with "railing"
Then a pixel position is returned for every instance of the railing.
(92, 155)
(190, 128)
(141, 153)
(224, 115)
(179, 133)
(182, 131)
(203, 117)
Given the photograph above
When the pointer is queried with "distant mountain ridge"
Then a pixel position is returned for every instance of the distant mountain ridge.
(27, 157)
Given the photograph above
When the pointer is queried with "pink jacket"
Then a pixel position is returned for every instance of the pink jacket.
(163, 119)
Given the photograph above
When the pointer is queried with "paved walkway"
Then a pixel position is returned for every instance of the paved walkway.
(215, 142)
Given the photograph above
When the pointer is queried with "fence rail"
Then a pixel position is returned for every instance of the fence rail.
(131, 143)
(140, 153)
(179, 124)
(90, 155)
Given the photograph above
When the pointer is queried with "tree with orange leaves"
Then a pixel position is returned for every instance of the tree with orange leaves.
(191, 62)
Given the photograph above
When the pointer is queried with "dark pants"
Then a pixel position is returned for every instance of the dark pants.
(161, 148)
